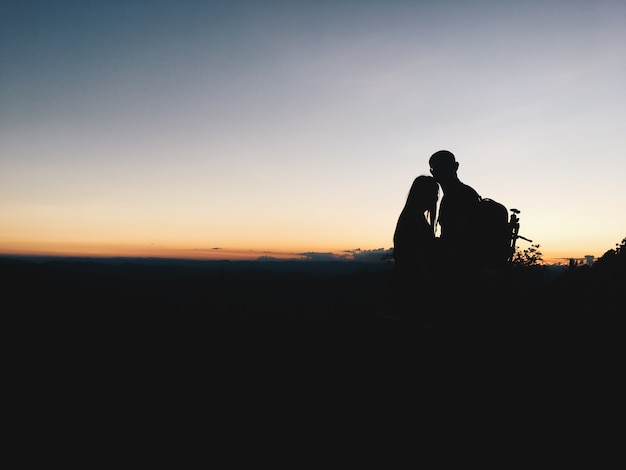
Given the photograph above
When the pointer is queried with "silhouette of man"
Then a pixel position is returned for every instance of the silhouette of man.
(457, 207)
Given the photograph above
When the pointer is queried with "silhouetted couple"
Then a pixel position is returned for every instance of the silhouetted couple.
(426, 265)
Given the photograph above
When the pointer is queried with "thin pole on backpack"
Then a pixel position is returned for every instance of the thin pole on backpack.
(514, 226)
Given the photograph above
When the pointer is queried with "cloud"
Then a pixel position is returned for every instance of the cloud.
(357, 254)
(316, 256)
(370, 256)
(276, 258)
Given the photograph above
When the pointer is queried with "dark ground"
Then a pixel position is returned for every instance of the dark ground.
(174, 361)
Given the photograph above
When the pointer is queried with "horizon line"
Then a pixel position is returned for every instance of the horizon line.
(304, 258)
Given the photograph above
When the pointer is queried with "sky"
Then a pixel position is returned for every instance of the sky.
(243, 129)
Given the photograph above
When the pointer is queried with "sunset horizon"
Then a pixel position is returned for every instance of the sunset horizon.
(254, 254)
(249, 129)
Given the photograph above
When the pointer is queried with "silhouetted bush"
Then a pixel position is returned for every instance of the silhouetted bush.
(530, 256)
(613, 261)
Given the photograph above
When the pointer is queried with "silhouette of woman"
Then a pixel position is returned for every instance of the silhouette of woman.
(414, 243)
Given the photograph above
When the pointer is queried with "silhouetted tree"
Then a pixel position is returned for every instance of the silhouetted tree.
(613, 260)
(530, 256)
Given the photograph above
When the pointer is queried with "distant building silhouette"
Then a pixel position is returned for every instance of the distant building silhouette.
(573, 262)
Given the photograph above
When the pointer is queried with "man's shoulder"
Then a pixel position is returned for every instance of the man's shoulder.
(465, 191)
(471, 191)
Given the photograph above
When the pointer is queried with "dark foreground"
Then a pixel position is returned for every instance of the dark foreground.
(186, 361)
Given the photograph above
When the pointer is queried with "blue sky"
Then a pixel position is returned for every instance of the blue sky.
(275, 127)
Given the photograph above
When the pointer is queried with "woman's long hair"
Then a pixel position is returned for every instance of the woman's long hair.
(421, 190)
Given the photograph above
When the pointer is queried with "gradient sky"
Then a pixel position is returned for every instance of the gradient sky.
(271, 128)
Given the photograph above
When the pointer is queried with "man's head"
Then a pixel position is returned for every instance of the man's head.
(443, 165)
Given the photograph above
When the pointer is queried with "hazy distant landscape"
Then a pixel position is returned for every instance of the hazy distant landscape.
(178, 354)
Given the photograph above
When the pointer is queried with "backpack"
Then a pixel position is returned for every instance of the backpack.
(491, 234)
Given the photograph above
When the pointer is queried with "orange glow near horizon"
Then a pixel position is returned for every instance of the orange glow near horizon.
(118, 250)
(104, 250)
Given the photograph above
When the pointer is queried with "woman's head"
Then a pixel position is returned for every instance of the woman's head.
(424, 192)
(423, 196)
